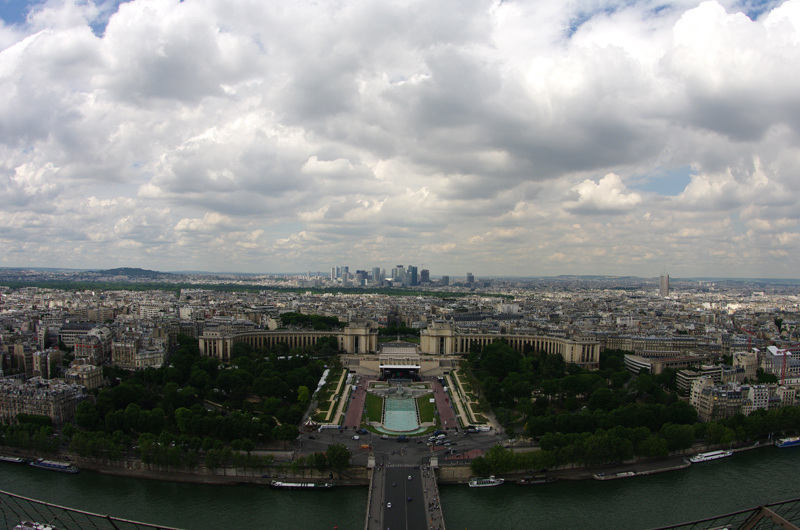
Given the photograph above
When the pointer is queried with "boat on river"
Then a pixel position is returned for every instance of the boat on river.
(612, 476)
(64, 467)
(787, 442)
(282, 485)
(713, 455)
(485, 482)
(12, 459)
(529, 480)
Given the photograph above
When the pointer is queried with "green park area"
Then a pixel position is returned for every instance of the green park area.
(582, 417)
(194, 410)
(426, 409)
(374, 406)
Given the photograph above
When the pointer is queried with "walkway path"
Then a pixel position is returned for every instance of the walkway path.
(342, 405)
(465, 419)
(356, 407)
(447, 418)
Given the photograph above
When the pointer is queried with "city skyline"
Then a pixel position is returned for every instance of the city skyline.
(508, 139)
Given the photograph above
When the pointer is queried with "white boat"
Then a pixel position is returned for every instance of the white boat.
(54, 466)
(713, 455)
(12, 459)
(485, 482)
(301, 485)
(788, 442)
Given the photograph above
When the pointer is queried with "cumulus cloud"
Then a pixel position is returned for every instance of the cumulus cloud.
(503, 137)
(607, 196)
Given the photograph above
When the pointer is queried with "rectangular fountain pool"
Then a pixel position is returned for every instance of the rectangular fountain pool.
(401, 414)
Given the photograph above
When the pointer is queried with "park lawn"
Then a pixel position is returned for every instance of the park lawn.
(374, 406)
(426, 408)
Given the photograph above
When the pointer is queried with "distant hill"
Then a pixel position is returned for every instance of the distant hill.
(135, 272)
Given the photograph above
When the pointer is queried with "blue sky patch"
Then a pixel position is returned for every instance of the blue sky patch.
(664, 181)
(14, 11)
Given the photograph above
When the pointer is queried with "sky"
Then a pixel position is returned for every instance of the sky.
(512, 138)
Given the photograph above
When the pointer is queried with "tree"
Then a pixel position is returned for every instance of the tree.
(678, 437)
(338, 457)
(603, 399)
(303, 394)
(248, 445)
(183, 417)
(285, 432)
(86, 415)
(318, 461)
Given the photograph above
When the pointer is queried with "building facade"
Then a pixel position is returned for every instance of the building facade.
(440, 338)
(54, 399)
(358, 337)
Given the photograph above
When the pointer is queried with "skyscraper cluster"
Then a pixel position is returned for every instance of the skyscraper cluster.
(399, 275)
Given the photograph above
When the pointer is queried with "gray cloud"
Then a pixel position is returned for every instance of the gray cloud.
(508, 137)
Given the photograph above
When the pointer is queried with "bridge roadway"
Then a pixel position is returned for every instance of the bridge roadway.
(389, 506)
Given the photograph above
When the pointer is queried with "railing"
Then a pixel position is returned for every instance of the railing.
(17, 512)
(776, 516)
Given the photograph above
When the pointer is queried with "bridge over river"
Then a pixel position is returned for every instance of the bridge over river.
(403, 498)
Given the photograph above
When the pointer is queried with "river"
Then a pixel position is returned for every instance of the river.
(704, 490)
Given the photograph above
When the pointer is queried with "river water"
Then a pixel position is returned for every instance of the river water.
(745, 480)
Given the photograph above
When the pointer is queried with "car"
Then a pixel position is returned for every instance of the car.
(394, 484)
(409, 499)
(409, 477)
(388, 504)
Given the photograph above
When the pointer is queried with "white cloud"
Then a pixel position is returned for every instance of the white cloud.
(504, 136)
(607, 196)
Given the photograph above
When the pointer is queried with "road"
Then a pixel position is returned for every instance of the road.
(404, 514)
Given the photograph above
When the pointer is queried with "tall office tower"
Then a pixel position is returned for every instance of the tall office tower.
(663, 285)
(333, 273)
(376, 275)
(399, 273)
(445, 280)
(470, 278)
(411, 274)
(424, 276)
(345, 270)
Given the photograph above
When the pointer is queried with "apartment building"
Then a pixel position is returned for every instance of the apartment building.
(87, 375)
(54, 399)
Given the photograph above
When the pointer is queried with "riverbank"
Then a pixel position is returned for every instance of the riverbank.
(699, 492)
(354, 476)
